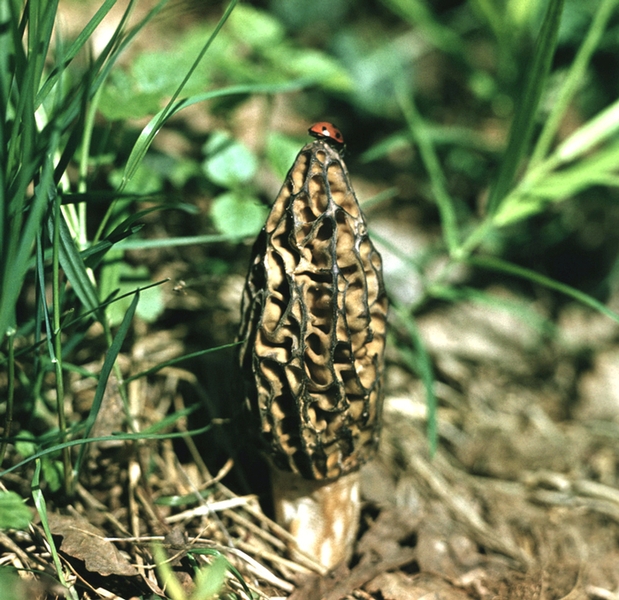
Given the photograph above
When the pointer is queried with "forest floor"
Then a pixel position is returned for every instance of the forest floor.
(521, 499)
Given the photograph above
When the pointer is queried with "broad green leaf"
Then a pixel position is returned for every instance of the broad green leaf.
(255, 27)
(238, 215)
(26, 445)
(125, 279)
(11, 584)
(53, 471)
(122, 99)
(147, 179)
(228, 162)
(14, 514)
(315, 65)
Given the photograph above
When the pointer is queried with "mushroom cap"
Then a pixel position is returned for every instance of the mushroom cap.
(314, 317)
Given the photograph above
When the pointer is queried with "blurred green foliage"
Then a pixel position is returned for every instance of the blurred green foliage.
(14, 514)
(253, 48)
(11, 584)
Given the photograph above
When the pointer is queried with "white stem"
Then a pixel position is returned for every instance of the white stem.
(323, 516)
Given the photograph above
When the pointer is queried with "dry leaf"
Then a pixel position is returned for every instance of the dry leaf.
(86, 542)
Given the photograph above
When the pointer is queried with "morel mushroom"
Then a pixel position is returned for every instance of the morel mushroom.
(313, 327)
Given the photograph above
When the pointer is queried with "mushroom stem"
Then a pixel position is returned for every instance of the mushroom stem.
(322, 516)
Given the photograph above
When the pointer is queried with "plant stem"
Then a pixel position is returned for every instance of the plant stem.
(8, 418)
(573, 80)
(62, 424)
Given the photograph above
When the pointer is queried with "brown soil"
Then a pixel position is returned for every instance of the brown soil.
(519, 501)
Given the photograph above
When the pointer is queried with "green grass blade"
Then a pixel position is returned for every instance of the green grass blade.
(420, 16)
(121, 39)
(125, 225)
(574, 79)
(40, 272)
(73, 266)
(547, 183)
(497, 264)
(106, 60)
(106, 438)
(173, 242)
(169, 420)
(7, 56)
(179, 359)
(595, 131)
(76, 103)
(422, 365)
(521, 309)
(415, 264)
(106, 369)
(40, 29)
(149, 132)
(71, 52)
(10, 383)
(432, 164)
(210, 579)
(20, 163)
(155, 125)
(93, 256)
(22, 241)
(169, 581)
(41, 506)
(495, 17)
(17, 26)
(57, 338)
(112, 298)
(524, 120)
(599, 168)
(229, 566)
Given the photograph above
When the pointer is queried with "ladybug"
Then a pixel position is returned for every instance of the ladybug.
(327, 131)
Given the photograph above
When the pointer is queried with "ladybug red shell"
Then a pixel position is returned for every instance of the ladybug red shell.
(327, 131)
